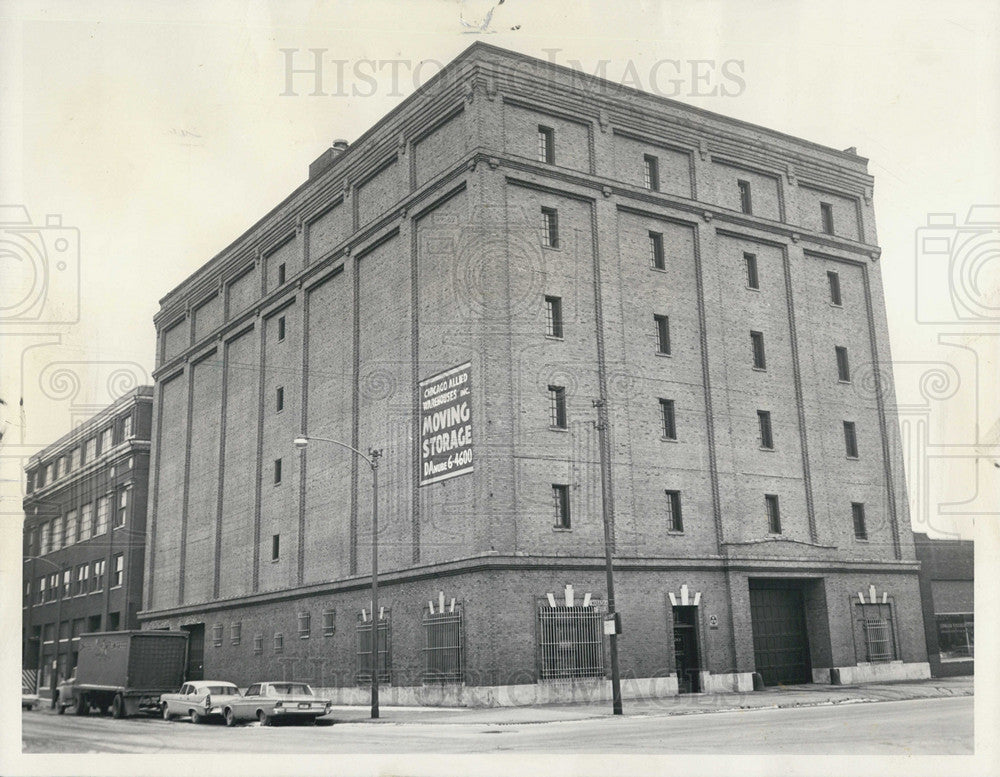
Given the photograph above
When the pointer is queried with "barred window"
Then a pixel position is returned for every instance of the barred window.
(773, 513)
(364, 633)
(560, 495)
(235, 632)
(258, 644)
(662, 324)
(550, 228)
(764, 422)
(546, 144)
(746, 202)
(833, 281)
(674, 521)
(757, 346)
(667, 419)
(750, 261)
(305, 625)
(443, 645)
(651, 172)
(571, 641)
(656, 251)
(858, 515)
(557, 407)
(876, 625)
(553, 316)
(329, 622)
(217, 635)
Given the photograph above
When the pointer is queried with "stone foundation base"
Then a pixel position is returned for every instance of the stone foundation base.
(878, 673)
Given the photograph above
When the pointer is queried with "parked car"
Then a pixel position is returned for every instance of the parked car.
(201, 699)
(274, 701)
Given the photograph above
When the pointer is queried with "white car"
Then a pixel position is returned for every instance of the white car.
(199, 700)
(276, 701)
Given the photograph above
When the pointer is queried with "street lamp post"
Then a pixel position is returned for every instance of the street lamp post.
(374, 454)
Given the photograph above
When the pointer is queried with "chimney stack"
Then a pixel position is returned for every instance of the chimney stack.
(325, 161)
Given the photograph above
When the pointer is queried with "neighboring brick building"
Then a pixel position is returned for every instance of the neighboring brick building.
(947, 591)
(715, 283)
(84, 535)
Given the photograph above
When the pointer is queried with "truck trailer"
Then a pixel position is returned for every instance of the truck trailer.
(124, 671)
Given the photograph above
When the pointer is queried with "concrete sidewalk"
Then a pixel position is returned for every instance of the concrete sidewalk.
(688, 704)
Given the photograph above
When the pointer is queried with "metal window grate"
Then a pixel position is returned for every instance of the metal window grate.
(876, 622)
(571, 641)
(364, 673)
(443, 646)
(557, 407)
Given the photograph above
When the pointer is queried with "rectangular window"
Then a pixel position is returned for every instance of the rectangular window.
(67, 583)
(364, 632)
(550, 228)
(122, 512)
(102, 516)
(50, 473)
(86, 522)
(833, 281)
(656, 259)
(553, 317)
(279, 642)
(217, 635)
(571, 641)
(258, 646)
(106, 439)
(279, 399)
(82, 579)
(76, 458)
(42, 586)
(850, 440)
(91, 449)
(235, 632)
(61, 467)
(757, 344)
(305, 625)
(843, 366)
(662, 324)
(46, 545)
(546, 144)
(127, 428)
(651, 172)
(281, 273)
(858, 516)
(97, 581)
(281, 328)
(773, 513)
(667, 420)
(557, 407)
(674, 521)
(275, 547)
(30, 484)
(443, 645)
(764, 422)
(746, 203)
(956, 636)
(277, 471)
(329, 622)
(877, 627)
(58, 532)
(119, 570)
(826, 216)
(560, 495)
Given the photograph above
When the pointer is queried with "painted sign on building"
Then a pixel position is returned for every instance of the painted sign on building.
(446, 424)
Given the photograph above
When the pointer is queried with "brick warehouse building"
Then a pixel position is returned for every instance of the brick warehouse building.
(510, 244)
(84, 535)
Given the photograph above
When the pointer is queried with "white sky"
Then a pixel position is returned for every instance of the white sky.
(158, 130)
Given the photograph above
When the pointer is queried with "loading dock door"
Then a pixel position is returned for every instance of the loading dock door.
(780, 643)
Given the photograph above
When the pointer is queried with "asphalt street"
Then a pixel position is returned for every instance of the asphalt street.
(919, 726)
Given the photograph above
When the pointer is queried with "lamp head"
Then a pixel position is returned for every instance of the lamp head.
(301, 442)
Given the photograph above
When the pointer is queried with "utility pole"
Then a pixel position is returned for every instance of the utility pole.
(606, 509)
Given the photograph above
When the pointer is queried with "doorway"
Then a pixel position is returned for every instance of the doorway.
(196, 651)
(686, 649)
(780, 640)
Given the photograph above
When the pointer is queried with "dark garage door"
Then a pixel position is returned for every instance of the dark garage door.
(780, 645)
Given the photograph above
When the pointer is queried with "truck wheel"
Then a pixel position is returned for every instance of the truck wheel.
(118, 706)
(197, 717)
(230, 717)
(82, 706)
(264, 718)
(167, 715)
(60, 708)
